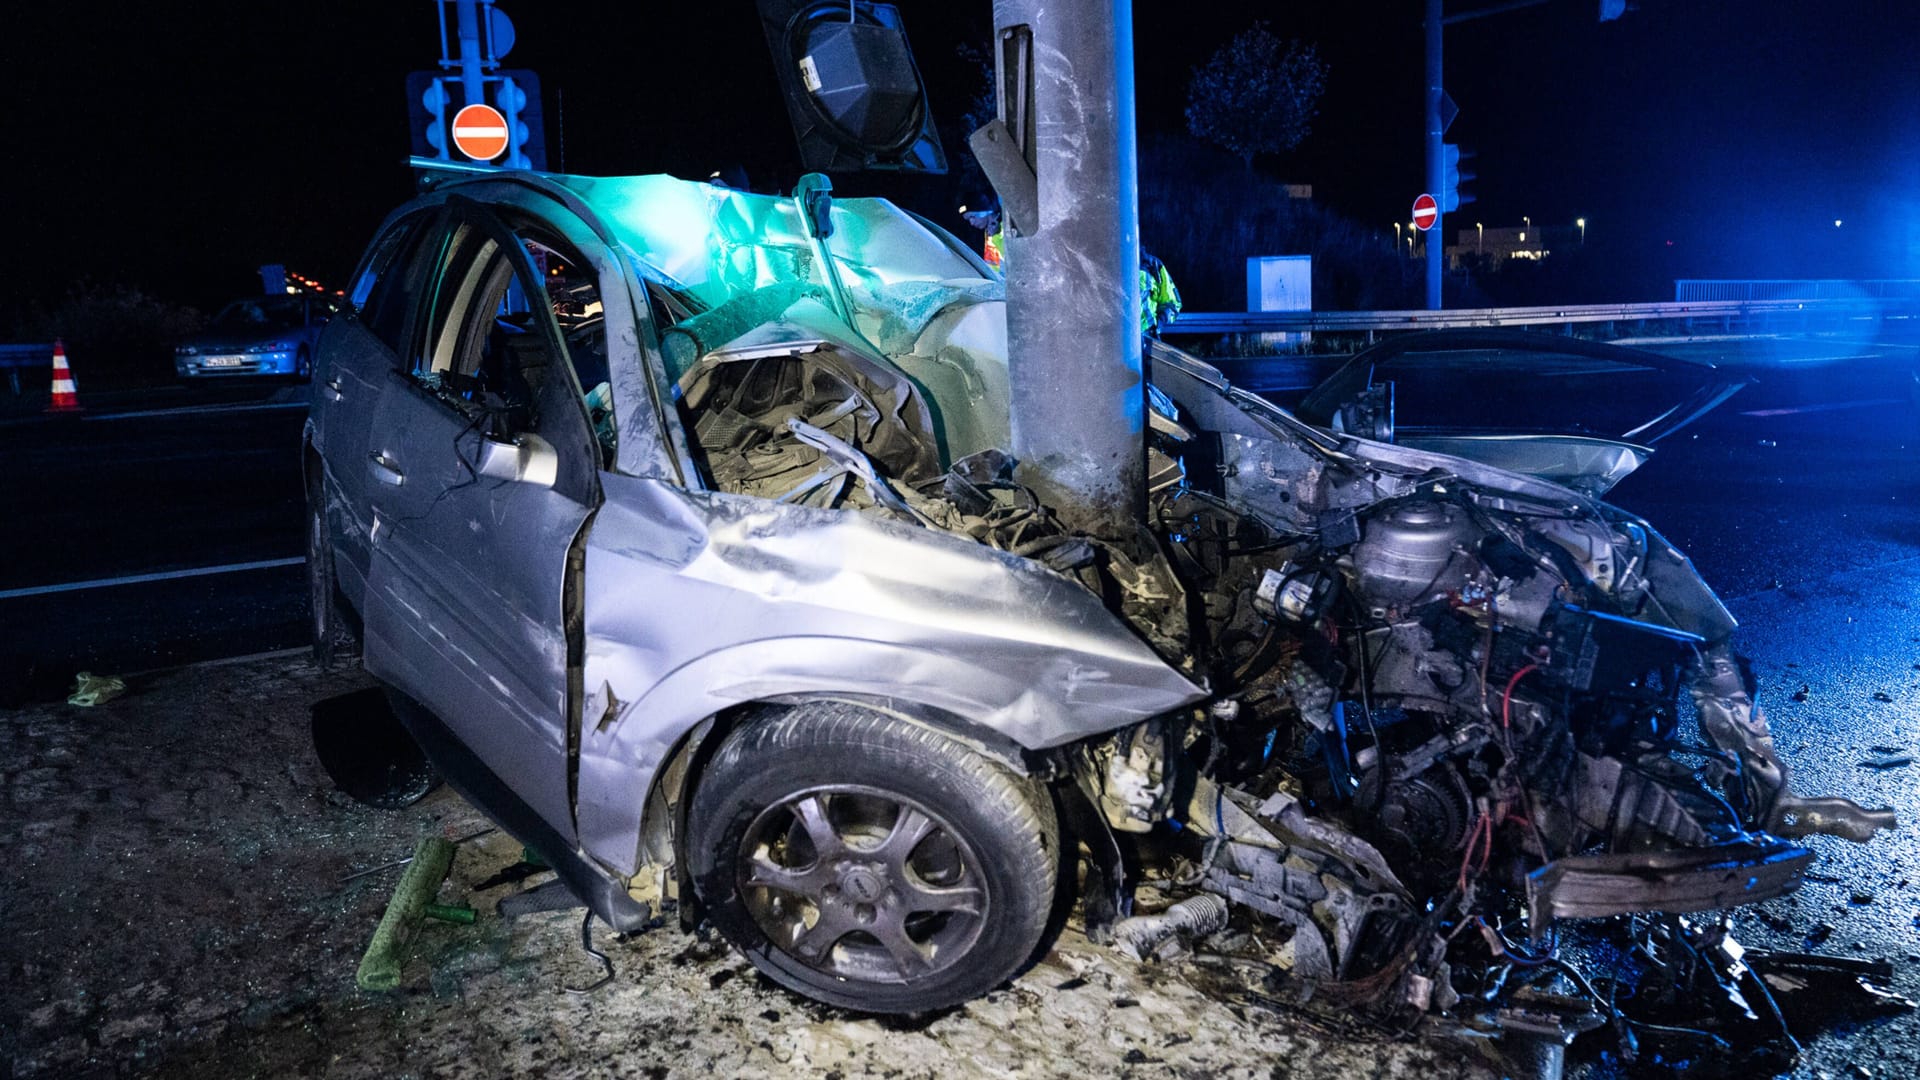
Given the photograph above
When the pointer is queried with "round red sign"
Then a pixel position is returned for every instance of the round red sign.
(480, 132)
(1425, 212)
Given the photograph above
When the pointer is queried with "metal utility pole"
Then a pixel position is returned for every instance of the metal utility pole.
(470, 58)
(1062, 155)
(1436, 152)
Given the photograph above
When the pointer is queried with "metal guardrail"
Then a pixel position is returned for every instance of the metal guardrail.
(1726, 312)
(15, 357)
(1695, 289)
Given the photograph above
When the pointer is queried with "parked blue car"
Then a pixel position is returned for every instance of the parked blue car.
(266, 335)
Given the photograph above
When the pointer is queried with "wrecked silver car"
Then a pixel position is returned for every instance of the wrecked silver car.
(678, 522)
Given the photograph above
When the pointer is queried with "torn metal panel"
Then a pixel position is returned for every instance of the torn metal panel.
(1676, 881)
(773, 599)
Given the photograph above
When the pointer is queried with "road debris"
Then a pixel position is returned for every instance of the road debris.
(386, 952)
(90, 689)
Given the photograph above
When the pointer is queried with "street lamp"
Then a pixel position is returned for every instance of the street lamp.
(1396, 234)
(1582, 222)
(1479, 239)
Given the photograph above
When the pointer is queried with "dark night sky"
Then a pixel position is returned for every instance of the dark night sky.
(177, 146)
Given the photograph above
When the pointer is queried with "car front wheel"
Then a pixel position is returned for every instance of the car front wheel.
(871, 863)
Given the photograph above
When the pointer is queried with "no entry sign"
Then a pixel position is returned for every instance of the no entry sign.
(1425, 212)
(480, 132)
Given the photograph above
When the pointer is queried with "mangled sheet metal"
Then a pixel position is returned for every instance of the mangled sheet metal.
(1437, 693)
(778, 599)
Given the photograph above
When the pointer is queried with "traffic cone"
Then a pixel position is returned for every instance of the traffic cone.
(66, 397)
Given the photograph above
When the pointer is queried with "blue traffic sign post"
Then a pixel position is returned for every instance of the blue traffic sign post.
(473, 76)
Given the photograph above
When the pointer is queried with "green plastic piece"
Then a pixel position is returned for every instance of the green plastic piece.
(453, 913)
(386, 953)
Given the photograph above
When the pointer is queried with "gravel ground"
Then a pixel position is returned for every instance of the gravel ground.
(174, 907)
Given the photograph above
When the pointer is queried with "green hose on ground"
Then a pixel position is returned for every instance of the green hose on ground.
(386, 953)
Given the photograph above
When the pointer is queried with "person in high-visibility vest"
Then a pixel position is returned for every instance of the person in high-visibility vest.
(1159, 297)
(993, 223)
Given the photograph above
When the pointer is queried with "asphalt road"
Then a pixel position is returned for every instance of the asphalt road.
(1811, 470)
(168, 484)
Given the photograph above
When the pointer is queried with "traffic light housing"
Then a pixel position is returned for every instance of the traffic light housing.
(427, 110)
(854, 94)
(512, 96)
(1450, 196)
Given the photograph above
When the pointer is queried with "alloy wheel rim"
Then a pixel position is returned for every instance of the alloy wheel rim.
(862, 884)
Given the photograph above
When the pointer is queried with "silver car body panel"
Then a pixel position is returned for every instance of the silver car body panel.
(698, 602)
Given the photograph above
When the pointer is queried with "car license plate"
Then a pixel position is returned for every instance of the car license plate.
(224, 361)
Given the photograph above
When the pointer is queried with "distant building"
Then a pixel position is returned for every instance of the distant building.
(1496, 246)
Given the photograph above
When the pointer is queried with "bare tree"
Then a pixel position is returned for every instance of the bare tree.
(1257, 94)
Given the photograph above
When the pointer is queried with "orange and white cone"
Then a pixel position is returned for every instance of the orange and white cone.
(66, 397)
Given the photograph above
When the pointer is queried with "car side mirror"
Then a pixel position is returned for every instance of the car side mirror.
(525, 458)
(1369, 415)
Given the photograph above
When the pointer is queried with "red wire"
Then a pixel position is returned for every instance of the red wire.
(1506, 700)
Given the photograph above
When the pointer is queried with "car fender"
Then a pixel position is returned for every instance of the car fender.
(698, 602)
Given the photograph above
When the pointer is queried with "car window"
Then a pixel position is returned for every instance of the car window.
(573, 291)
(488, 337)
(385, 292)
(265, 313)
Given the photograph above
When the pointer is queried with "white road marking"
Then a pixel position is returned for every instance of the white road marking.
(186, 410)
(135, 579)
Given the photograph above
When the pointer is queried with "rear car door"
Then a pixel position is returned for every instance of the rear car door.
(483, 469)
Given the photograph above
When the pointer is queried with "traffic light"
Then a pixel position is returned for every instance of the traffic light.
(1451, 177)
(1612, 9)
(517, 96)
(511, 100)
(854, 95)
(427, 107)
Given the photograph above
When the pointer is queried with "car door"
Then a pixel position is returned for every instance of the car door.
(484, 470)
(355, 362)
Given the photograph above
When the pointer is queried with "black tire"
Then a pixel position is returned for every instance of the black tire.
(331, 621)
(956, 886)
(322, 620)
